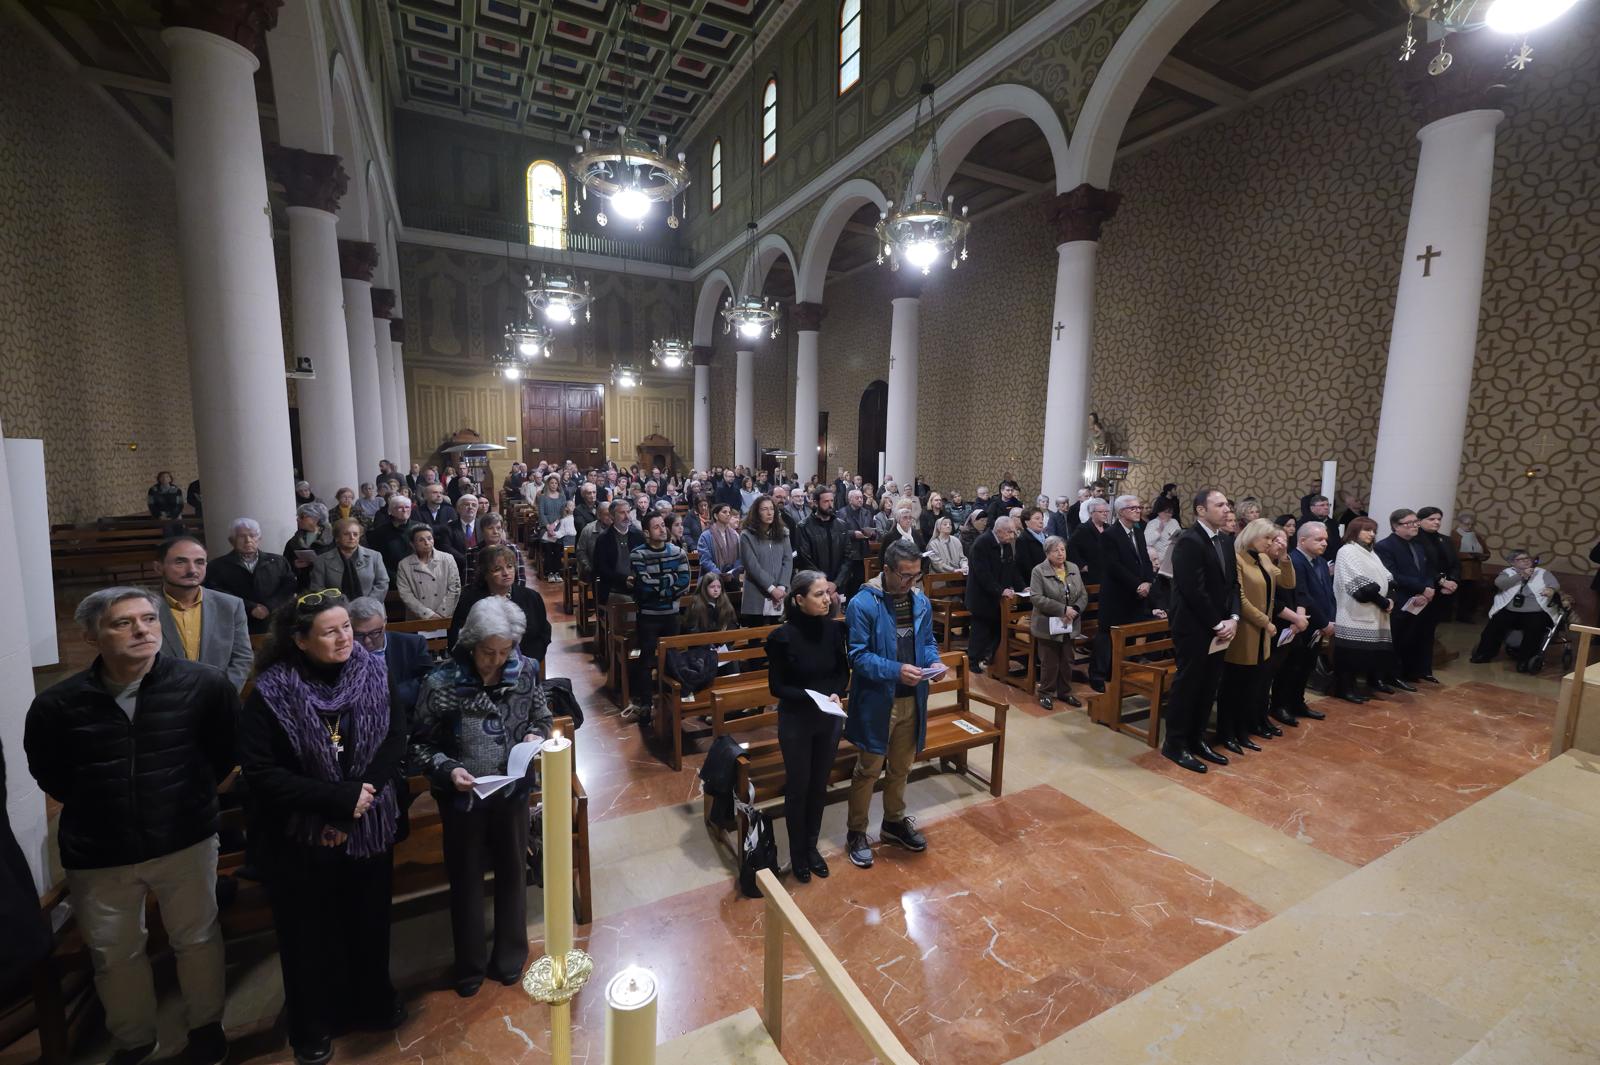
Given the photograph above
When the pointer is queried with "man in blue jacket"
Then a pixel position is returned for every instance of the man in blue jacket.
(1313, 585)
(891, 651)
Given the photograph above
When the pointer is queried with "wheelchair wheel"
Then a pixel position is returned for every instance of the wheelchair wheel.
(1536, 663)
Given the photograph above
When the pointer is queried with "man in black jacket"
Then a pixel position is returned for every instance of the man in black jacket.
(613, 563)
(992, 579)
(821, 543)
(728, 492)
(1126, 580)
(857, 522)
(1083, 550)
(431, 508)
(389, 539)
(1205, 605)
(133, 748)
(263, 580)
(1403, 555)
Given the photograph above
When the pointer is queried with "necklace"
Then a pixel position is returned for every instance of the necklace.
(333, 734)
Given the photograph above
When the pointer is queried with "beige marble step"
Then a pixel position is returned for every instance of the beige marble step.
(740, 1038)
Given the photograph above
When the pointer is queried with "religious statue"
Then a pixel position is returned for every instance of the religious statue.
(1099, 438)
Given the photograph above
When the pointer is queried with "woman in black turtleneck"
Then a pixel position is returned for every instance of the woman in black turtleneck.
(807, 652)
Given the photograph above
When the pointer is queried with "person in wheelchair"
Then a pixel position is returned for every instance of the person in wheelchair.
(1527, 602)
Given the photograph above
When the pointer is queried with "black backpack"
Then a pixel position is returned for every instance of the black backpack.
(693, 667)
(758, 850)
(562, 702)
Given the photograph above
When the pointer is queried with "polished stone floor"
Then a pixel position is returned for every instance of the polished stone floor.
(1073, 914)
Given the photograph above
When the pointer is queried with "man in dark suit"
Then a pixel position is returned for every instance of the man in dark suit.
(389, 539)
(264, 581)
(728, 492)
(1205, 605)
(1083, 550)
(1126, 581)
(1313, 586)
(1057, 525)
(992, 579)
(1403, 555)
(405, 654)
(460, 536)
(431, 509)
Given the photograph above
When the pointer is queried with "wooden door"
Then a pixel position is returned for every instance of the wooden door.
(542, 406)
(872, 429)
(585, 425)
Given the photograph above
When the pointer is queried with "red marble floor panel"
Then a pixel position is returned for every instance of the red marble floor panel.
(1371, 777)
(1027, 915)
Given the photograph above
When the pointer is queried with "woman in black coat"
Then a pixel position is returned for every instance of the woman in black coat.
(497, 575)
(321, 754)
(807, 651)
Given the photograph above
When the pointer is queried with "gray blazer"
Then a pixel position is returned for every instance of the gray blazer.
(224, 634)
(766, 563)
(371, 574)
(1051, 599)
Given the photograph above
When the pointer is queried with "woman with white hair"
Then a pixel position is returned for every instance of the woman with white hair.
(945, 553)
(904, 528)
(312, 533)
(471, 711)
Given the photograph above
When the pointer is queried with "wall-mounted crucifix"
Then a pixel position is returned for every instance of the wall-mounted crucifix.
(1058, 328)
(1426, 259)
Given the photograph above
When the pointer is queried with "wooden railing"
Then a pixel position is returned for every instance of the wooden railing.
(784, 917)
(1567, 715)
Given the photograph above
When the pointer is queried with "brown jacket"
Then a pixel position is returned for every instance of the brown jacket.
(1257, 583)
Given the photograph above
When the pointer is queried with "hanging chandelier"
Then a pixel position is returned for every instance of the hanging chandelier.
(747, 312)
(559, 297)
(1514, 18)
(527, 338)
(507, 362)
(670, 353)
(625, 377)
(629, 172)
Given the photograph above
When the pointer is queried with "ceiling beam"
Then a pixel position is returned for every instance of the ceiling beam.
(1001, 178)
(1197, 82)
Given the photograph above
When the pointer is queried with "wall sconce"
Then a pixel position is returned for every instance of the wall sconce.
(303, 369)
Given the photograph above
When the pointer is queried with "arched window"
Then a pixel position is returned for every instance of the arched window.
(547, 205)
(849, 44)
(716, 173)
(769, 121)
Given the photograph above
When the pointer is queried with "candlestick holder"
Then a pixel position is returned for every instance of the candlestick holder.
(543, 984)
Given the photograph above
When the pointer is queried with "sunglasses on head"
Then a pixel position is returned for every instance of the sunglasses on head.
(316, 599)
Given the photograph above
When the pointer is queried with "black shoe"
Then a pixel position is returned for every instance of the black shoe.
(1045, 701)
(1355, 697)
(1400, 684)
(1233, 745)
(1272, 730)
(1479, 660)
(976, 667)
(1186, 760)
(1287, 718)
(1099, 686)
(467, 988)
(318, 1053)
(817, 865)
(131, 1055)
(1306, 711)
(903, 833)
(208, 1045)
(1383, 687)
(1073, 701)
(859, 850)
(802, 872)
(1248, 744)
(508, 979)
(1203, 750)
(1430, 678)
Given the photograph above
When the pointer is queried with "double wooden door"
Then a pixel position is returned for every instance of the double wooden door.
(562, 420)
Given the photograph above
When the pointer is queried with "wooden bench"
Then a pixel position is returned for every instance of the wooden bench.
(126, 553)
(569, 577)
(1016, 643)
(955, 728)
(672, 709)
(1141, 664)
(947, 596)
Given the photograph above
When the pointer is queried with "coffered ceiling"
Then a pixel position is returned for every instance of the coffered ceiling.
(554, 66)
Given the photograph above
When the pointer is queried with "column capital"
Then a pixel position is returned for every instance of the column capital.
(244, 22)
(1079, 214)
(309, 179)
(906, 283)
(397, 330)
(357, 260)
(702, 354)
(1475, 76)
(383, 303)
(807, 317)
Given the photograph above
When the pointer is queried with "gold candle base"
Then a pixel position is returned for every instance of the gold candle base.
(541, 982)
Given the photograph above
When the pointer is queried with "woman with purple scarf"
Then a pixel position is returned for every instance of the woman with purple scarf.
(321, 753)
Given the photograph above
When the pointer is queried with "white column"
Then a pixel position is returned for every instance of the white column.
(1426, 389)
(383, 347)
(807, 318)
(327, 434)
(702, 407)
(230, 287)
(1067, 390)
(402, 456)
(356, 261)
(24, 800)
(744, 410)
(900, 420)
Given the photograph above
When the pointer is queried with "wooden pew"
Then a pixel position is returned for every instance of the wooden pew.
(1150, 677)
(954, 730)
(671, 709)
(947, 595)
(1016, 643)
(569, 577)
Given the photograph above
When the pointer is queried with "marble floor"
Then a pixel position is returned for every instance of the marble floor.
(1065, 917)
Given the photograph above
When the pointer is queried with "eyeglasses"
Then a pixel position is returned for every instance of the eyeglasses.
(1406, 524)
(311, 599)
(374, 636)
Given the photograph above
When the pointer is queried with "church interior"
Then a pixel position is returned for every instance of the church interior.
(1285, 250)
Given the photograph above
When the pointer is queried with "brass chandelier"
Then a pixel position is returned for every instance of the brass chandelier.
(559, 296)
(1514, 18)
(746, 311)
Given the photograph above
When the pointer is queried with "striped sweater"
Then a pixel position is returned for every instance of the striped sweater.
(660, 577)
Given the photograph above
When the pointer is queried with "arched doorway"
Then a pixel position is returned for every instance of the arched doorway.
(872, 428)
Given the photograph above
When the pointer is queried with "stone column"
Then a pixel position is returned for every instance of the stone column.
(1427, 386)
(230, 282)
(24, 801)
(807, 320)
(702, 407)
(1077, 217)
(313, 185)
(744, 410)
(397, 336)
(382, 313)
(357, 260)
(900, 420)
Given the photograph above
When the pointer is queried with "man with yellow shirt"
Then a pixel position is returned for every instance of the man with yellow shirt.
(202, 625)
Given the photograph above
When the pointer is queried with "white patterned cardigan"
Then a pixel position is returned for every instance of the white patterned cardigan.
(1360, 625)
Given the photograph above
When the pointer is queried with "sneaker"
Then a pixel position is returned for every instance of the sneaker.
(208, 1045)
(630, 711)
(135, 1055)
(859, 850)
(904, 833)
(318, 1053)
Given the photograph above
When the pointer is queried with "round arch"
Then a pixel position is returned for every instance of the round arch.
(300, 78)
(353, 210)
(841, 203)
(1133, 60)
(982, 113)
(769, 249)
(385, 276)
(712, 289)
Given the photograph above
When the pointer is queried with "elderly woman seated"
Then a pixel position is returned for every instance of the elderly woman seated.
(471, 711)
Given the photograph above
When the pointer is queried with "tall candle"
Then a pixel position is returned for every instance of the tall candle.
(631, 1018)
(555, 758)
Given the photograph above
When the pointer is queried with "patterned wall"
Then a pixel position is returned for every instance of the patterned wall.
(92, 347)
(1247, 286)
